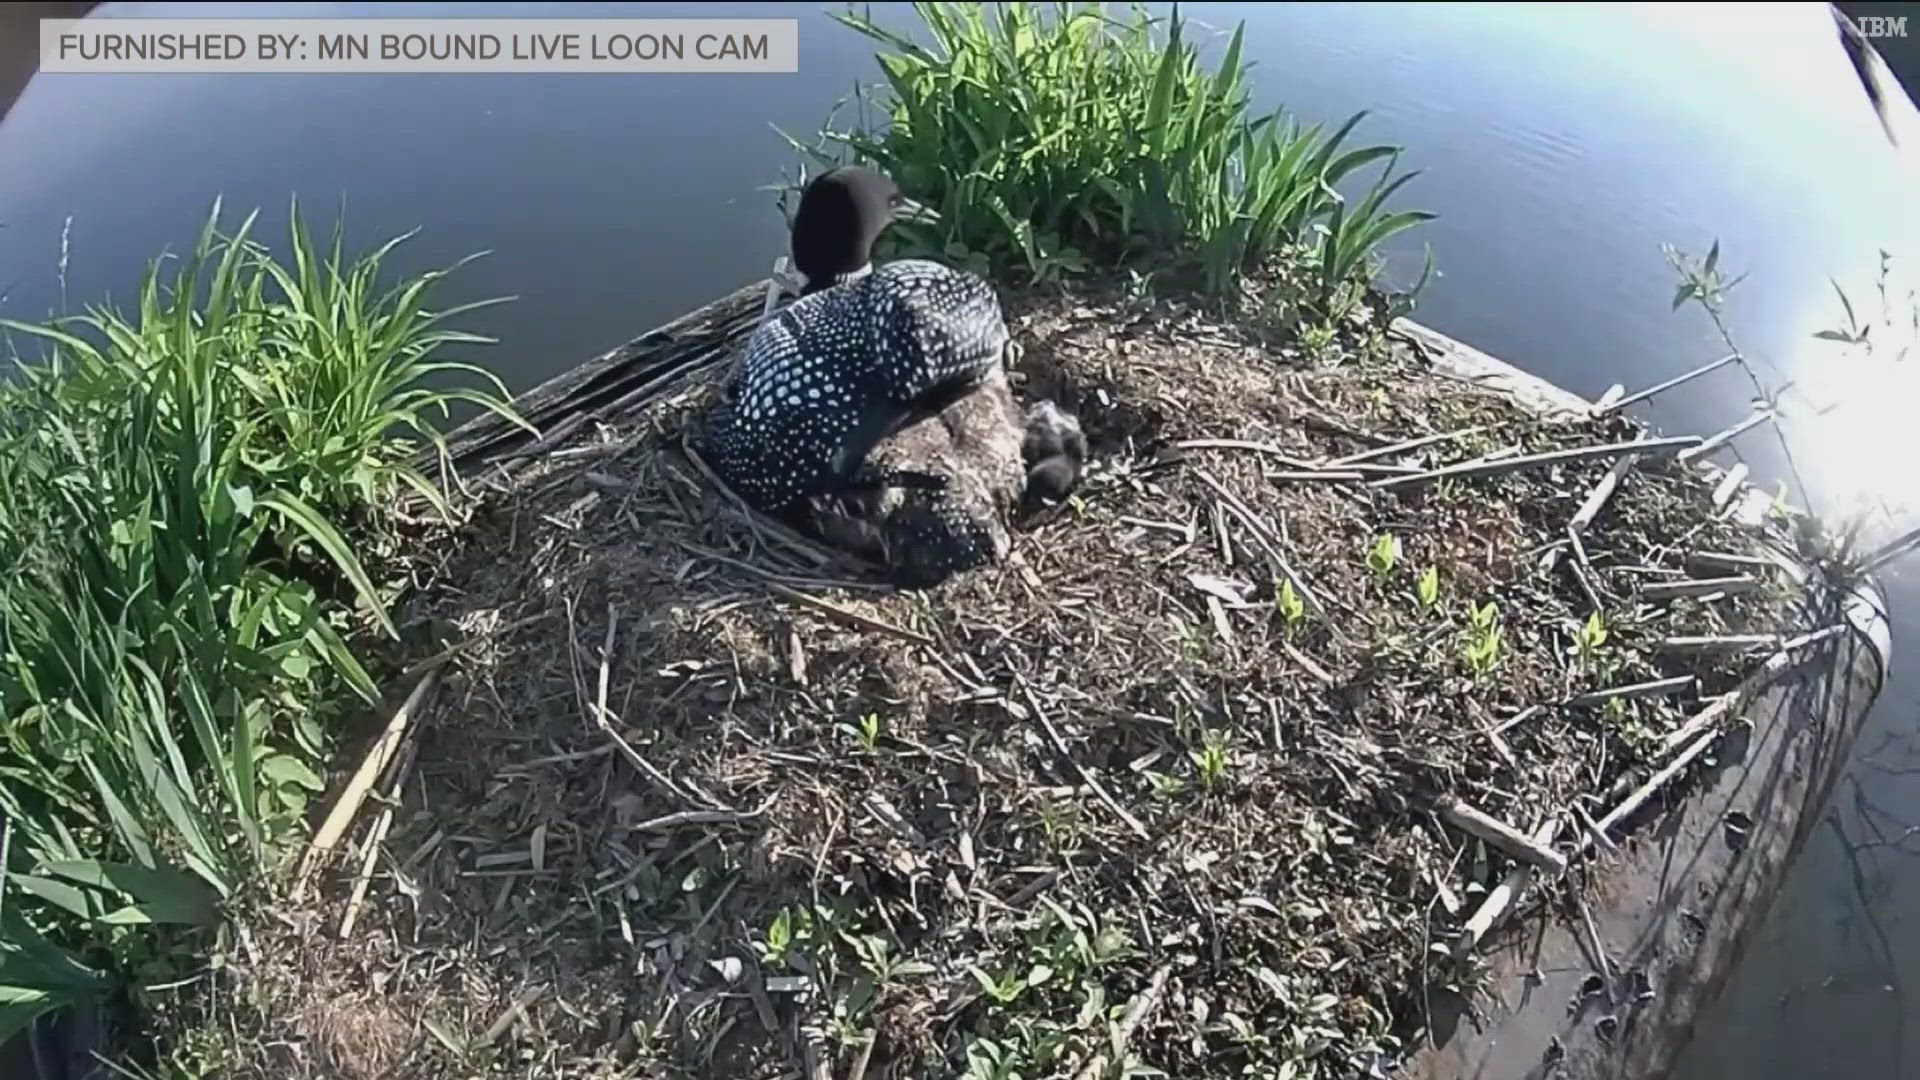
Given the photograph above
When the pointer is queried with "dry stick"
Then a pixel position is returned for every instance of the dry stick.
(1745, 690)
(371, 766)
(1717, 642)
(1123, 1032)
(1264, 538)
(1647, 790)
(1469, 819)
(1060, 747)
(1719, 560)
(1668, 590)
(1761, 416)
(1593, 940)
(1242, 444)
(764, 574)
(1403, 447)
(700, 817)
(1503, 895)
(851, 618)
(1554, 457)
(1729, 486)
(1593, 829)
(375, 838)
(1634, 399)
(1596, 500)
(760, 524)
(603, 719)
(1679, 684)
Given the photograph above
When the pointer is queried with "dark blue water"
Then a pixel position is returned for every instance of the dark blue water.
(1563, 145)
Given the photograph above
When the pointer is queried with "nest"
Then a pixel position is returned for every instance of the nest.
(697, 799)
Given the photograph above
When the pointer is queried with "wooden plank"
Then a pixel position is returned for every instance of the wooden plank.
(615, 383)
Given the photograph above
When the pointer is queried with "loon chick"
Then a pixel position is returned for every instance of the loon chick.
(864, 352)
(1054, 450)
(978, 446)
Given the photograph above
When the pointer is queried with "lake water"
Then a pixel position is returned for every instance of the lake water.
(1562, 146)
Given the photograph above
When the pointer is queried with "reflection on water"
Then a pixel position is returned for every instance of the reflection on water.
(1563, 145)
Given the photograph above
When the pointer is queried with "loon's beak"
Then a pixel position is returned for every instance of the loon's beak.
(908, 210)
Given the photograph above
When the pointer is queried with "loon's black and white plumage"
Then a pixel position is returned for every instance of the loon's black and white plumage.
(864, 352)
(995, 463)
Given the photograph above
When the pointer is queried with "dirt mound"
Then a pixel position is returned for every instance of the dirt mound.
(1174, 763)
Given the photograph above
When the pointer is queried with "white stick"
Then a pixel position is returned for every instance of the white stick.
(1634, 399)
(1667, 590)
(1745, 690)
(1554, 457)
(1468, 819)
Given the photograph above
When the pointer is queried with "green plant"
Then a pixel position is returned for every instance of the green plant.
(1292, 608)
(167, 689)
(1212, 759)
(866, 733)
(1591, 639)
(1051, 137)
(1427, 591)
(1383, 556)
(1485, 639)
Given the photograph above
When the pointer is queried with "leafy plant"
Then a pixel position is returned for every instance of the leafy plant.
(1427, 591)
(1292, 608)
(1049, 138)
(1212, 759)
(1591, 639)
(1485, 640)
(168, 683)
(866, 733)
(1383, 556)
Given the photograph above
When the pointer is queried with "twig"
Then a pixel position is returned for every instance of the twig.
(1519, 718)
(1060, 747)
(1716, 643)
(1123, 1032)
(1729, 486)
(761, 525)
(700, 817)
(1679, 684)
(1502, 896)
(1760, 416)
(371, 766)
(1635, 399)
(1242, 444)
(375, 838)
(1720, 560)
(1403, 447)
(1745, 690)
(1471, 820)
(1593, 940)
(1647, 790)
(1593, 828)
(1668, 590)
(1554, 457)
(850, 618)
(603, 718)
(1263, 537)
(765, 574)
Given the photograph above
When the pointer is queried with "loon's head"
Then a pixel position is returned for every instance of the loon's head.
(841, 214)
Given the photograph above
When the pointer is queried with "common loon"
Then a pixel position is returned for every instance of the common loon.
(993, 460)
(864, 352)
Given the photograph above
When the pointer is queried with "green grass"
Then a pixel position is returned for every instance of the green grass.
(168, 690)
(1053, 139)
